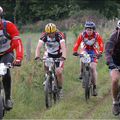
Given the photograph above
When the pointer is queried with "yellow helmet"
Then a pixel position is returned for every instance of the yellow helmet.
(50, 28)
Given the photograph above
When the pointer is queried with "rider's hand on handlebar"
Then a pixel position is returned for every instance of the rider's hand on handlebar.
(75, 54)
(17, 62)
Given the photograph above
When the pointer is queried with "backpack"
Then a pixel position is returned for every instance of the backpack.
(83, 36)
(5, 30)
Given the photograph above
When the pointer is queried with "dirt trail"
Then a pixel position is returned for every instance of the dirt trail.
(89, 113)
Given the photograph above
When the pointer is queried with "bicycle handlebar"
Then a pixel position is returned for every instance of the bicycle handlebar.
(54, 59)
(91, 55)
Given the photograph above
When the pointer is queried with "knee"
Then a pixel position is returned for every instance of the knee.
(58, 72)
(114, 80)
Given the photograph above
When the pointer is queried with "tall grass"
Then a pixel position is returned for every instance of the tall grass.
(28, 91)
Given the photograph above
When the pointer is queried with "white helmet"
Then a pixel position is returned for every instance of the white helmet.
(118, 24)
(1, 11)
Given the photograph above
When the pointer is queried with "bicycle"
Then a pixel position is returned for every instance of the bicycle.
(87, 74)
(51, 84)
(3, 71)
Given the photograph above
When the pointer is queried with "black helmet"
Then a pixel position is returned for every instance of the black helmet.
(1, 11)
(90, 24)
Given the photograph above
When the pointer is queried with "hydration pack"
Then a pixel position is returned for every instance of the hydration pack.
(83, 36)
(5, 30)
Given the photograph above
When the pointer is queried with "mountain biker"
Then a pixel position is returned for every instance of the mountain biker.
(112, 54)
(89, 39)
(54, 41)
(9, 40)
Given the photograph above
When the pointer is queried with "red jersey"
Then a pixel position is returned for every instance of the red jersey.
(89, 42)
(8, 45)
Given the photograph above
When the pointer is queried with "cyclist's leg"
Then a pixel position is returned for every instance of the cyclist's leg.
(94, 71)
(7, 58)
(115, 76)
(93, 66)
(59, 73)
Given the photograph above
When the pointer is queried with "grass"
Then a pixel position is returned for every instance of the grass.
(28, 91)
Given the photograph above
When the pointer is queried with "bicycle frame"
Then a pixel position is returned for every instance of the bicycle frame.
(3, 71)
(51, 84)
(87, 74)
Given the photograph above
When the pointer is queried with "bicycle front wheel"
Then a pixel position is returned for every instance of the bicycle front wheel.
(48, 94)
(87, 86)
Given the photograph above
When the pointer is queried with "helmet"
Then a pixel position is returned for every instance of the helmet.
(118, 24)
(1, 11)
(50, 28)
(90, 24)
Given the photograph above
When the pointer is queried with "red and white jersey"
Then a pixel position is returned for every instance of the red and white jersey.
(8, 45)
(52, 44)
(89, 42)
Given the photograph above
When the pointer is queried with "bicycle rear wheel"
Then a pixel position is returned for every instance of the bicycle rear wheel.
(48, 94)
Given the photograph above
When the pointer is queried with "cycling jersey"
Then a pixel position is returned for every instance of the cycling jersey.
(112, 49)
(89, 42)
(8, 45)
(52, 45)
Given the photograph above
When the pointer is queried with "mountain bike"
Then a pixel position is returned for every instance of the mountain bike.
(51, 84)
(87, 74)
(3, 71)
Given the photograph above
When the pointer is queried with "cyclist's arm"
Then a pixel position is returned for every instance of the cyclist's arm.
(109, 47)
(100, 43)
(77, 44)
(39, 45)
(16, 42)
(63, 48)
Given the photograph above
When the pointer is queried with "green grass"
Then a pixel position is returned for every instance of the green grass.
(28, 91)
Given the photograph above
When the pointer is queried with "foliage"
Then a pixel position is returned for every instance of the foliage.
(28, 93)
(30, 11)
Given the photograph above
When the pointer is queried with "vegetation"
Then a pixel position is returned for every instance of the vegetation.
(69, 16)
(28, 91)
(30, 11)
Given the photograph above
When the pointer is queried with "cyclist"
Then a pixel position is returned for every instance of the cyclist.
(54, 41)
(89, 39)
(9, 40)
(112, 54)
